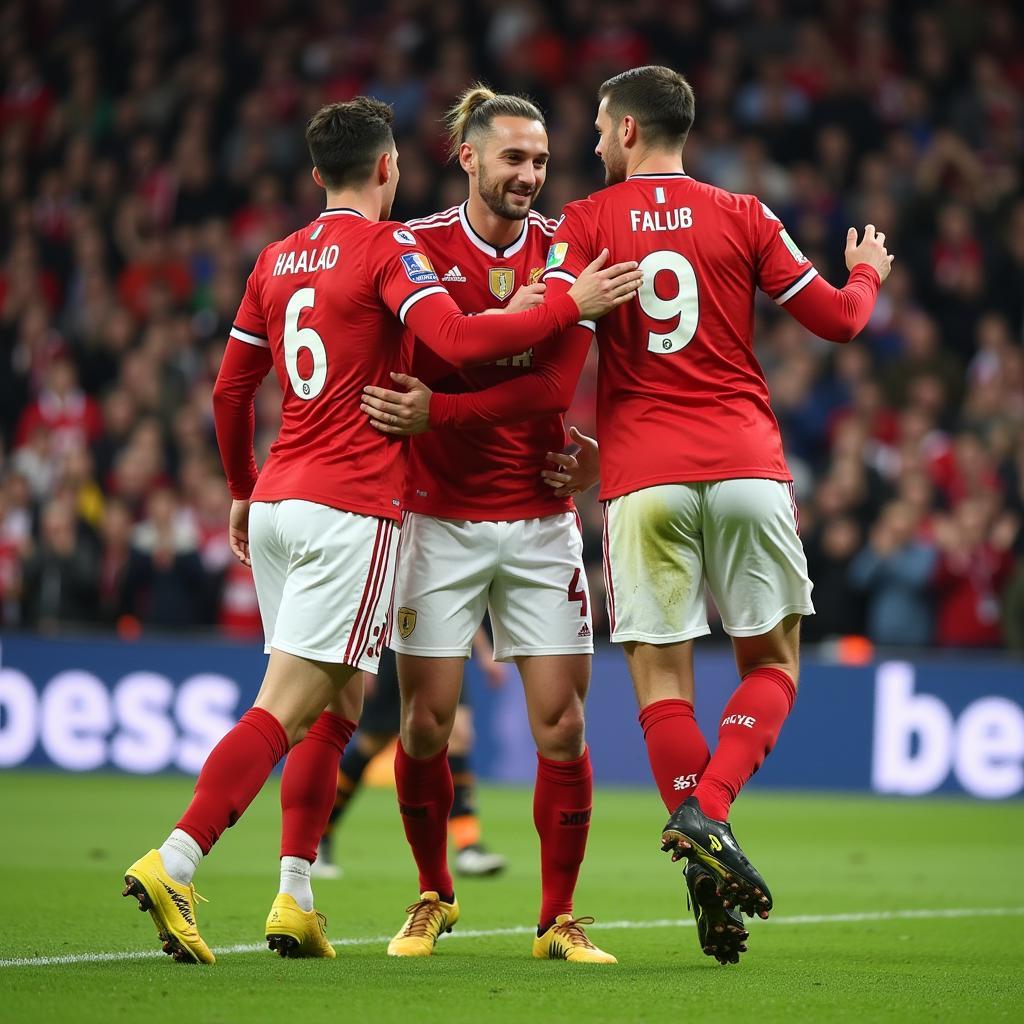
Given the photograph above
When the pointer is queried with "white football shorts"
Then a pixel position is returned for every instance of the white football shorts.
(528, 573)
(661, 544)
(323, 580)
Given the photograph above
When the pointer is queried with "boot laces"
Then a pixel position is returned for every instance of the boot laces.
(573, 930)
(421, 917)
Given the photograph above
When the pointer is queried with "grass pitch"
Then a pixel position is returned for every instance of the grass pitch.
(885, 911)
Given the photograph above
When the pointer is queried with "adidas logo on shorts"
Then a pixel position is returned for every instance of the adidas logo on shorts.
(584, 630)
(454, 275)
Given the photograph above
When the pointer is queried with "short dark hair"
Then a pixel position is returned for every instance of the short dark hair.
(659, 99)
(346, 139)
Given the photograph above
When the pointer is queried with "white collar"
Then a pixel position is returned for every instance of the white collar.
(485, 246)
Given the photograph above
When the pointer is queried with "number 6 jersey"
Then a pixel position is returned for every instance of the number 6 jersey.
(326, 307)
(681, 396)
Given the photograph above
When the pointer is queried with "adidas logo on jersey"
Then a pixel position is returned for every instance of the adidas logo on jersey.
(454, 275)
(584, 630)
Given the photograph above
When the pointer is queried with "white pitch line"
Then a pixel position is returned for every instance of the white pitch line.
(487, 933)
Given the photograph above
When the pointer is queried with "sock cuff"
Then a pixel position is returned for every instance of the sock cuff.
(661, 710)
(421, 762)
(296, 865)
(269, 728)
(566, 773)
(781, 679)
(332, 729)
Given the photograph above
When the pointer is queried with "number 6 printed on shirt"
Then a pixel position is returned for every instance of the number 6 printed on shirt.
(684, 304)
(297, 338)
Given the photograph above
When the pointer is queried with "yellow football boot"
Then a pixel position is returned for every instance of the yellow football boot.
(172, 907)
(294, 932)
(566, 940)
(428, 917)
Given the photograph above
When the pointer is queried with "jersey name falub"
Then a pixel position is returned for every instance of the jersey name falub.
(661, 220)
(306, 260)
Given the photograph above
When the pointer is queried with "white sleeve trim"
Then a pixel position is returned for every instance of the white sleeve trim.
(411, 300)
(249, 339)
(798, 285)
(562, 275)
(591, 325)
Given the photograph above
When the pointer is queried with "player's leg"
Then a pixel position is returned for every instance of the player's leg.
(472, 858)
(769, 666)
(378, 726)
(663, 680)
(359, 752)
(293, 927)
(298, 685)
(758, 574)
(346, 556)
(540, 611)
(440, 596)
(654, 579)
(653, 552)
(232, 775)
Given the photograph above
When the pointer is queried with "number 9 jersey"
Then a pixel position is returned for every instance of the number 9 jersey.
(681, 396)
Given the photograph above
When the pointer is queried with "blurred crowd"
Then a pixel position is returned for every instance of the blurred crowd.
(149, 150)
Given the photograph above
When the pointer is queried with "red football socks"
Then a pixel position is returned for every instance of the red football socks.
(309, 785)
(562, 799)
(425, 797)
(676, 749)
(750, 726)
(232, 775)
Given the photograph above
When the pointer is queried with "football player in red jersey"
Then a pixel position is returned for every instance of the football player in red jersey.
(482, 532)
(325, 307)
(693, 475)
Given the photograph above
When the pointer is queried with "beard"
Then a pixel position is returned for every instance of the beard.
(614, 163)
(495, 194)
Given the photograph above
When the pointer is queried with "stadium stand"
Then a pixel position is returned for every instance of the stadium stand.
(149, 150)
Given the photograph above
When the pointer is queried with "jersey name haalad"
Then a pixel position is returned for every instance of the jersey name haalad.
(681, 395)
(324, 300)
(482, 473)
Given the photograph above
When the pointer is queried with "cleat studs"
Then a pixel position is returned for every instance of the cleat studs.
(284, 945)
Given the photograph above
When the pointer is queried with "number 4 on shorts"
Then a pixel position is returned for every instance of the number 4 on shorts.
(577, 593)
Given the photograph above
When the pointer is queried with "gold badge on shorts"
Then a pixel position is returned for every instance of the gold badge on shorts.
(501, 281)
(406, 622)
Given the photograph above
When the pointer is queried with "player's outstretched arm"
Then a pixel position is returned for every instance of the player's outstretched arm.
(545, 390)
(464, 340)
(840, 314)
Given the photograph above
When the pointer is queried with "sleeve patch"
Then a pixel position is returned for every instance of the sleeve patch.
(794, 250)
(404, 237)
(556, 255)
(418, 268)
(768, 213)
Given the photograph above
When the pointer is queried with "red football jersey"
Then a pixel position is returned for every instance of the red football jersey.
(324, 300)
(483, 473)
(681, 396)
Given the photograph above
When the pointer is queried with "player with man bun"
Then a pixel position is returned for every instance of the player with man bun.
(483, 531)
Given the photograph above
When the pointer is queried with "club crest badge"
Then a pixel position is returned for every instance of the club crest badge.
(501, 281)
(535, 274)
(406, 622)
